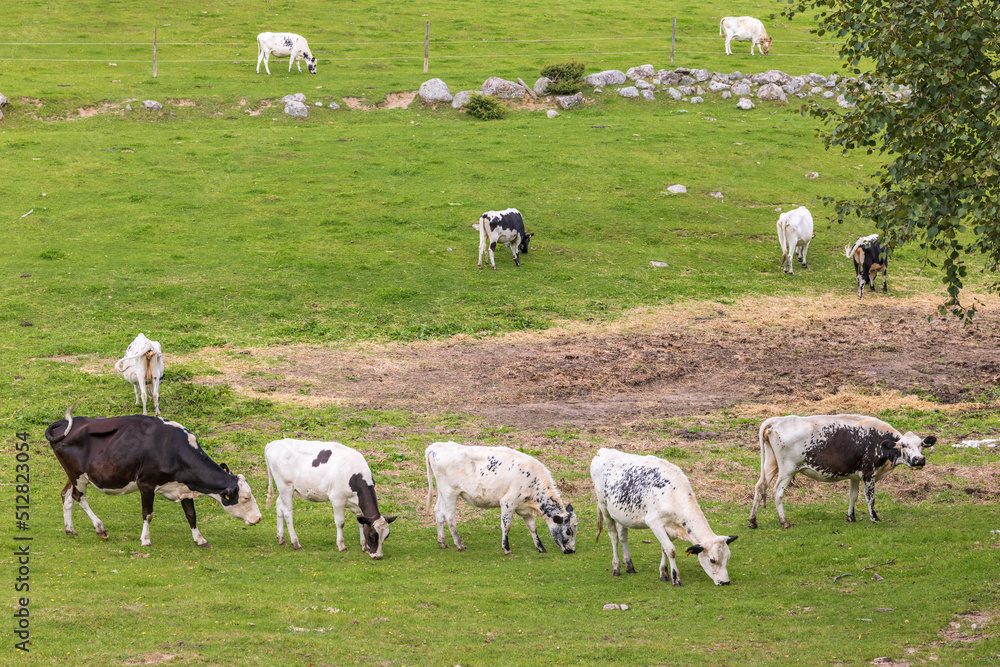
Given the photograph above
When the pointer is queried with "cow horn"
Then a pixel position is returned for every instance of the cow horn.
(69, 417)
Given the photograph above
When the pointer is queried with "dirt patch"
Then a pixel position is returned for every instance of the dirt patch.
(181, 103)
(264, 104)
(399, 100)
(153, 658)
(967, 627)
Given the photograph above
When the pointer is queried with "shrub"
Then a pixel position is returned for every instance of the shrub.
(485, 107)
(565, 77)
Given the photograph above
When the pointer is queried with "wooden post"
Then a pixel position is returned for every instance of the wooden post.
(154, 53)
(673, 37)
(427, 44)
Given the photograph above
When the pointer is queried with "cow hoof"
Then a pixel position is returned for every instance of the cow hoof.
(461, 547)
(785, 524)
(616, 572)
(663, 577)
(298, 547)
(102, 534)
(753, 523)
(850, 518)
(677, 584)
(541, 549)
(72, 532)
(507, 552)
(630, 569)
(205, 545)
(442, 545)
(281, 541)
(480, 267)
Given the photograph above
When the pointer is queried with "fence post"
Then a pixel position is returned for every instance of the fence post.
(154, 53)
(673, 37)
(427, 44)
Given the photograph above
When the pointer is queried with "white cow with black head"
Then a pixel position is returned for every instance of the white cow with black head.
(141, 365)
(284, 45)
(507, 227)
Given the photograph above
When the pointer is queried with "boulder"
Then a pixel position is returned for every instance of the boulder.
(817, 79)
(502, 88)
(668, 78)
(332, 105)
(741, 88)
(726, 94)
(677, 189)
(613, 77)
(696, 100)
(700, 75)
(297, 97)
(771, 76)
(687, 80)
(685, 90)
(642, 85)
(434, 91)
(569, 101)
(736, 76)
(717, 86)
(595, 79)
(297, 109)
(640, 72)
(318, 104)
(629, 91)
(551, 113)
(771, 91)
(152, 105)
(793, 86)
(674, 93)
(719, 76)
(815, 90)
(1, 115)
(648, 94)
(698, 90)
(541, 84)
(831, 81)
(842, 102)
(829, 94)
(3, 100)
(461, 98)
(682, 70)
(745, 103)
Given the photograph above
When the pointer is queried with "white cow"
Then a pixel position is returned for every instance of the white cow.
(142, 363)
(507, 227)
(496, 477)
(647, 492)
(284, 44)
(743, 28)
(326, 472)
(795, 230)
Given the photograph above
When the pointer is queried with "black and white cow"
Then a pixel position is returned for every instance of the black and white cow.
(496, 477)
(832, 448)
(869, 257)
(326, 472)
(648, 492)
(120, 455)
(507, 227)
(284, 45)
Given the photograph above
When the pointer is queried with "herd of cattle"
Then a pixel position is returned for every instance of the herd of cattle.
(154, 456)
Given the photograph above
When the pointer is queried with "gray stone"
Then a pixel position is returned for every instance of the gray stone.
(541, 84)
(771, 92)
(745, 103)
(741, 88)
(640, 72)
(569, 101)
(816, 90)
(332, 105)
(1, 115)
(595, 79)
(812, 174)
(598, 90)
(648, 94)
(831, 81)
(629, 91)
(434, 91)
(717, 86)
(319, 104)
(128, 107)
(698, 90)
(685, 90)
(551, 113)
(736, 76)
(297, 97)
(817, 79)
(297, 109)
(696, 100)
(771, 76)
(700, 75)
(682, 70)
(719, 76)
(829, 94)
(611, 607)
(677, 189)
(842, 102)
(152, 105)
(717, 195)
(668, 78)
(642, 85)
(3, 100)
(793, 86)
(674, 93)
(726, 94)
(461, 98)
(660, 265)
(687, 80)
(503, 88)
(612, 77)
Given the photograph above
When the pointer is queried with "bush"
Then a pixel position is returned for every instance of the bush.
(485, 107)
(564, 77)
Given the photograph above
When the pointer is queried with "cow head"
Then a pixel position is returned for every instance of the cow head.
(563, 529)
(239, 502)
(311, 63)
(765, 45)
(524, 243)
(910, 449)
(376, 533)
(713, 555)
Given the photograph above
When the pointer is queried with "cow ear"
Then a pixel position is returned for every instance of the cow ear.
(889, 443)
(731, 539)
(695, 549)
(929, 441)
(569, 509)
(557, 519)
(390, 519)
(531, 235)
(365, 520)
(225, 468)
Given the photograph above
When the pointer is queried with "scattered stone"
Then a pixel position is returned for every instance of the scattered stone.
(611, 607)
(319, 104)
(698, 90)
(745, 103)
(687, 80)
(297, 109)
(771, 91)
(674, 93)
(551, 113)
(643, 85)
(677, 189)
(842, 102)
(332, 105)
(503, 89)
(831, 81)
(297, 97)
(829, 95)
(726, 94)
(685, 90)
(3, 100)
(815, 90)
(700, 74)
(717, 195)
(152, 105)
(660, 265)
(128, 107)
(598, 90)
(629, 91)
(531, 92)
(613, 77)
(640, 72)
(569, 101)
(648, 94)
(434, 91)
(461, 98)
(793, 86)
(741, 88)
(812, 174)
(667, 78)
(541, 84)
(716, 86)
(696, 100)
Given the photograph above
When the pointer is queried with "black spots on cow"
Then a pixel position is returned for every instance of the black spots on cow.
(635, 485)
(288, 42)
(492, 463)
(841, 451)
(322, 457)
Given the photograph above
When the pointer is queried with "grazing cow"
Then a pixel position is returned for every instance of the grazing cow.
(648, 492)
(869, 257)
(326, 472)
(505, 227)
(496, 477)
(743, 28)
(141, 365)
(120, 455)
(831, 448)
(795, 231)
(284, 44)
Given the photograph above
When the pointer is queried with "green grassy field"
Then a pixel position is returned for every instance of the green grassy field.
(206, 227)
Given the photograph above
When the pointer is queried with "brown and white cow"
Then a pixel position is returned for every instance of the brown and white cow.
(326, 472)
(120, 455)
(496, 477)
(832, 448)
(648, 492)
(744, 28)
(869, 257)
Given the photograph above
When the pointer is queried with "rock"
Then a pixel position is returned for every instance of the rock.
(3, 100)
(842, 102)
(771, 91)
(793, 86)
(685, 90)
(682, 70)
(461, 98)
(128, 107)
(829, 94)
(642, 85)
(815, 90)
(623, 607)
(297, 97)
(698, 90)
(595, 79)
(152, 105)
(745, 103)
(569, 101)
(551, 113)
(598, 90)
(611, 607)
(530, 91)
(801, 95)
(319, 104)
(741, 88)
(726, 94)
(660, 265)
(1, 115)
(648, 94)
(640, 72)
(629, 91)
(696, 100)
(674, 93)
(668, 78)
(613, 77)
(700, 75)
(687, 80)
(716, 86)
(503, 89)
(736, 76)
(332, 105)
(717, 195)
(677, 189)
(541, 84)
(771, 76)
(817, 79)
(831, 81)
(812, 174)
(720, 77)
(434, 91)
(296, 108)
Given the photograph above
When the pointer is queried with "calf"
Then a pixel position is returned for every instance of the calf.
(831, 448)
(496, 477)
(326, 472)
(648, 492)
(120, 455)
(142, 365)
(743, 28)
(795, 231)
(507, 227)
(869, 257)
(284, 44)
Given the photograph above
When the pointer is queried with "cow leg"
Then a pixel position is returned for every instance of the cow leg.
(444, 511)
(339, 518)
(267, 57)
(142, 388)
(729, 50)
(885, 288)
(613, 534)
(626, 556)
(870, 497)
(67, 496)
(529, 521)
(854, 498)
(506, 519)
(493, 246)
(285, 502)
(147, 496)
(861, 286)
(669, 557)
(779, 496)
(514, 250)
(98, 524)
(768, 471)
(802, 255)
(188, 505)
(260, 57)
(156, 395)
(439, 519)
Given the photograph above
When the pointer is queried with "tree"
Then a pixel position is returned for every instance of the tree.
(927, 98)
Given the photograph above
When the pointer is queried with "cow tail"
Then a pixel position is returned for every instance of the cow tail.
(720, 25)
(600, 524)
(269, 482)
(849, 251)
(430, 481)
(765, 447)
